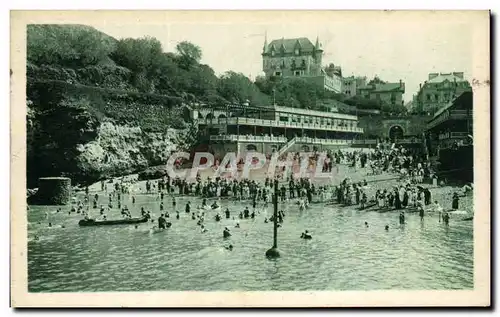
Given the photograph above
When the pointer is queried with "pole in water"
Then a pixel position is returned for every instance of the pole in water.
(273, 252)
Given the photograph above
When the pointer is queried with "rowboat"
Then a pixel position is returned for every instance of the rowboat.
(93, 222)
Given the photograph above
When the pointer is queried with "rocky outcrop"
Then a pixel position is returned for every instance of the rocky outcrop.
(120, 150)
(89, 134)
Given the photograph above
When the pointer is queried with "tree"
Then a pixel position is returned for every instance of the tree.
(138, 55)
(67, 45)
(363, 103)
(189, 54)
(239, 88)
(376, 80)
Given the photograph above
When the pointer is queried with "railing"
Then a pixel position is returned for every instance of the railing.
(408, 140)
(322, 141)
(288, 145)
(369, 141)
(274, 123)
(252, 138)
(449, 114)
(453, 135)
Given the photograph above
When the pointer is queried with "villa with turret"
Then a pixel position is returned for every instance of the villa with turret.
(299, 58)
(246, 128)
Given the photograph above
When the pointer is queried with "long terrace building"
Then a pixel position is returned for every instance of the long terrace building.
(268, 129)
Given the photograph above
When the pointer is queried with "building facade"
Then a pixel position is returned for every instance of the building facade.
(387, 94)
(298, 58)
(450, 136)
(244, 128)
(350, 85)
(439, 90)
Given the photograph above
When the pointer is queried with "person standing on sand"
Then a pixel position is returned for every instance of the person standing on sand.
(427, 196)
(421, 212)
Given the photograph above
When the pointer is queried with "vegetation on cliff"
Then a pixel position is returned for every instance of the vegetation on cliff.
(79, 78)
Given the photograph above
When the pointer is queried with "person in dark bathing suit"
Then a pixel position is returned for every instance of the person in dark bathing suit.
(188, 207)
(421, 213)
(454, 203)
(446, 218)
(306, 235)
(228, 213)
(162, 223)
(402, 218)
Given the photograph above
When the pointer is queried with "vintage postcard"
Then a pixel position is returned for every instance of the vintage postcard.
(250, 158)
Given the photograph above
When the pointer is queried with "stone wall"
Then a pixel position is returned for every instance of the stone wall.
(379, 126)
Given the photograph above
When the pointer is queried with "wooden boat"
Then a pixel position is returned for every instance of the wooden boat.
(93, 222)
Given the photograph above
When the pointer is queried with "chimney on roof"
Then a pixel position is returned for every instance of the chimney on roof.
(459, 74)
(400, 83)
(420, 86)
(264, 49)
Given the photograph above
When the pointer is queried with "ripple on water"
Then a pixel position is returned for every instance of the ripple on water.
(343, 254)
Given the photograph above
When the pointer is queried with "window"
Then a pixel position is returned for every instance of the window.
(377, 96)
(297, 52)
(297, 73)
(428, 97)
(272, 53)
(277, 73)
(436, 97)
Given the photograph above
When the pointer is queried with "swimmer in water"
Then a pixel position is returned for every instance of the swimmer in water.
(306, 235)
(366, 224)
(387, 228)
(50, 224)
(237, 225)
(229, 247)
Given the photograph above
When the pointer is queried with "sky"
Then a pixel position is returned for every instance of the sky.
(392, 51)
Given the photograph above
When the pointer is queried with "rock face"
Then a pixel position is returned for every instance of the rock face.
(89, 134)
(120, 150)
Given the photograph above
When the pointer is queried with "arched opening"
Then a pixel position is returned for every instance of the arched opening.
(222, 116)
(395, 133)
(200, 116)
(251, 147)
(209, 116)
(305, 148)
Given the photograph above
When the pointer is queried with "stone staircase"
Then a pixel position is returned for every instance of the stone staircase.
(287, 146)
